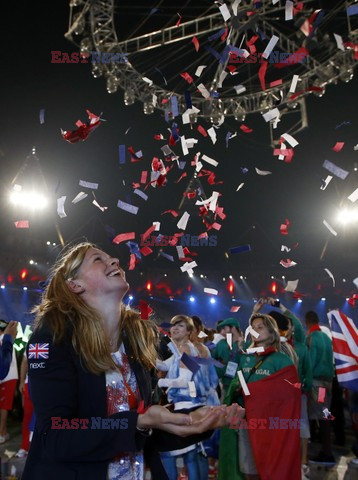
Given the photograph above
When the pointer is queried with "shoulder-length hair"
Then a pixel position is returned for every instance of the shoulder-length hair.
(61, 309)
(271, 325)
(183, 318)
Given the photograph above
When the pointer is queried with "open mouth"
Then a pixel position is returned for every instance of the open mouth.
(115, 273)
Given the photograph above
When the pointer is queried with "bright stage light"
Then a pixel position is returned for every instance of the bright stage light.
(24, 288)
(32, 200)
(2, 286)
(212, 300)
(130, 297)
(299, 300)
(323, 299)
(347, 216)
(192, 299)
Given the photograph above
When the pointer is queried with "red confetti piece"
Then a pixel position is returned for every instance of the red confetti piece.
(196, 43)
(294, 58)
(224, 35)
(83, 130)
(202, 131)
(132, 262)
(146, 251)
(122, 237)
(145, 310)
(187, 77)
(338, 146)
(141, 408)
(203, 235)
(220, 213)
(276, 83)
(352, 300)
(143, 178)
(158, 137)
(284, 227)
(146, 234)
(245, 128)
(183, 175)
(235, 309)
(321, 394)
(173, 212)
(178, 22)
(22, 224)
(262, 74)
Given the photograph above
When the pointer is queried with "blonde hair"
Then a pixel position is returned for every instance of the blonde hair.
(61, 308)
(271, 325)
(183, 318)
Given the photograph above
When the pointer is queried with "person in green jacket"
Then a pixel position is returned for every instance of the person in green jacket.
(229, 357)
(296, 337)
(236, 460)
(321, 355)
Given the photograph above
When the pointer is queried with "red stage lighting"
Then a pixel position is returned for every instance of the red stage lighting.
(231, 287)
(23, 274)
(148, 286)
(273, 287)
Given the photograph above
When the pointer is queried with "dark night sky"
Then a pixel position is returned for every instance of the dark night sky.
(30, 82)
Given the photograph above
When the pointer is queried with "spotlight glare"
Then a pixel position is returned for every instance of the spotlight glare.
(31, 262)
(2, 286)
(323, 299)
(299, 300)
(347, 216)
(241, 277)
(32, 200)
(347, 298)
(192, 299)
(24, 288)
(130, 297)
(48, 242)
(201, 275)
(212, 300)
(230, 276)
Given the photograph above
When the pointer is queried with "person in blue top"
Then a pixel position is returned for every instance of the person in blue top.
(10, 333)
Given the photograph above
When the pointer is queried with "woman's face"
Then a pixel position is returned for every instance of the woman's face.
(264, 334)
(99, 274)
(179, 331)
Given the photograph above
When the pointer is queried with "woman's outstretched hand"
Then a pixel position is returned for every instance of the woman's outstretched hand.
(199, 421)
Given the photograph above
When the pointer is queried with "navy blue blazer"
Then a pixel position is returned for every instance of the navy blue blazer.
(61, 387)
(5, 355)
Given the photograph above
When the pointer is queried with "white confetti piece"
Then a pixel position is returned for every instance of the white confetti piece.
(294, 83)
(211, 291)
(243, 383)
(330, 274)
(240, 186)
(183, 221)
(210, 160)
(339, 41)
(326, 182)
(262, 172)
(225, 12)
(212, 134)
(188, 266)
(292, 141)
(353, 197)
(255, 350)
(83, 183)
(96, 204)
(79, 197)
(199, 70)
(229, 340)
(202, 89)
(327, 225)
(270, 46)
(271, 114)
(61, 207)
(291, 285)
(288, 10)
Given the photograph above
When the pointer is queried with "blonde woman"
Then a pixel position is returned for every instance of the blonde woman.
(89, 361)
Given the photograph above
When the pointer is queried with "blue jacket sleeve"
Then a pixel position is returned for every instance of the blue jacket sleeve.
(54, 391)
(5, 355)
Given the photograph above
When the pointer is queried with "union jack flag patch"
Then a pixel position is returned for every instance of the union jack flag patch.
(38, 350)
